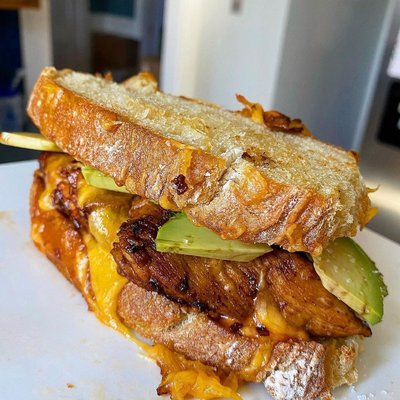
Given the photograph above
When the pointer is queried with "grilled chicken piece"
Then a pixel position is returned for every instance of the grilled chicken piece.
(227, 288)
(298, 291)
(215, 286)
(62, 173)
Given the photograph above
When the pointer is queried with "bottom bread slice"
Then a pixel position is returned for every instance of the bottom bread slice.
(295, 369)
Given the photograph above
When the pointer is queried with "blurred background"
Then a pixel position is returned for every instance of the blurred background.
(335, 64)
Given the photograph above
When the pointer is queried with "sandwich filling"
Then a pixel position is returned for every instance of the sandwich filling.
(277, 298)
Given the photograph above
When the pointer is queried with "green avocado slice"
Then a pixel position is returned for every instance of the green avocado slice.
(26, 140)
(94, 177)
(348, 273)
(179, 235)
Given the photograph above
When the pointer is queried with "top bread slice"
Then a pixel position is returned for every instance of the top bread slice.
(194, 156)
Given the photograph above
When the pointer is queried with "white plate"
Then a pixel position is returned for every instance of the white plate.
(51, 347)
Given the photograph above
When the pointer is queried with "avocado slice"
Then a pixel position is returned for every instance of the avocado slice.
(94, 177)
(26, 140)
(179, 235)
(348, 273)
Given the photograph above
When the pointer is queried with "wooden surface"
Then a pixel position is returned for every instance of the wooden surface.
(14, 4)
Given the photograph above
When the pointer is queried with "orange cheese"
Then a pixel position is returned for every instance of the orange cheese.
(269, 315)
(181, 377)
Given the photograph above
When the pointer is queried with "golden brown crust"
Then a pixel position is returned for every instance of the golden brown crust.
(252, 208)
(305, 369)
(295, 218)
(236, 201)
(145, 162)
(190, 333)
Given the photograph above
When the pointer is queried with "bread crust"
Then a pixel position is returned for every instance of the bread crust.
(236, 201)
(296, 219)
(190, 333)
(297, 371)
(137, 157)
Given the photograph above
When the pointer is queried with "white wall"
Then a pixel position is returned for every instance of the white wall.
(328, 63)
(212, 53)
(35, 28)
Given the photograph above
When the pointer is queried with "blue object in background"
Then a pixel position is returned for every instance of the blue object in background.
(12, 113)
(11, 88)
(122, 8)
(10, 48)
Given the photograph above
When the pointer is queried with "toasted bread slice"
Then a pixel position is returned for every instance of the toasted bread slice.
(235, 176)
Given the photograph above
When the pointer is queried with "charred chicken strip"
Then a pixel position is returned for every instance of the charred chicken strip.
(298, 291)
(210, 285)
(227, 288)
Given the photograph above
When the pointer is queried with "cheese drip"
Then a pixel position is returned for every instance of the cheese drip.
(181, 378)
(268, 314)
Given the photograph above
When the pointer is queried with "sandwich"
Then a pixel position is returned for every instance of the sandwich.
(223, 237)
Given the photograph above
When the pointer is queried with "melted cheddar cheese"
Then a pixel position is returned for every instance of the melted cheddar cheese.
(181, 378)
(106, 284)
(259, 361)
(268, 314)
(184, 378)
